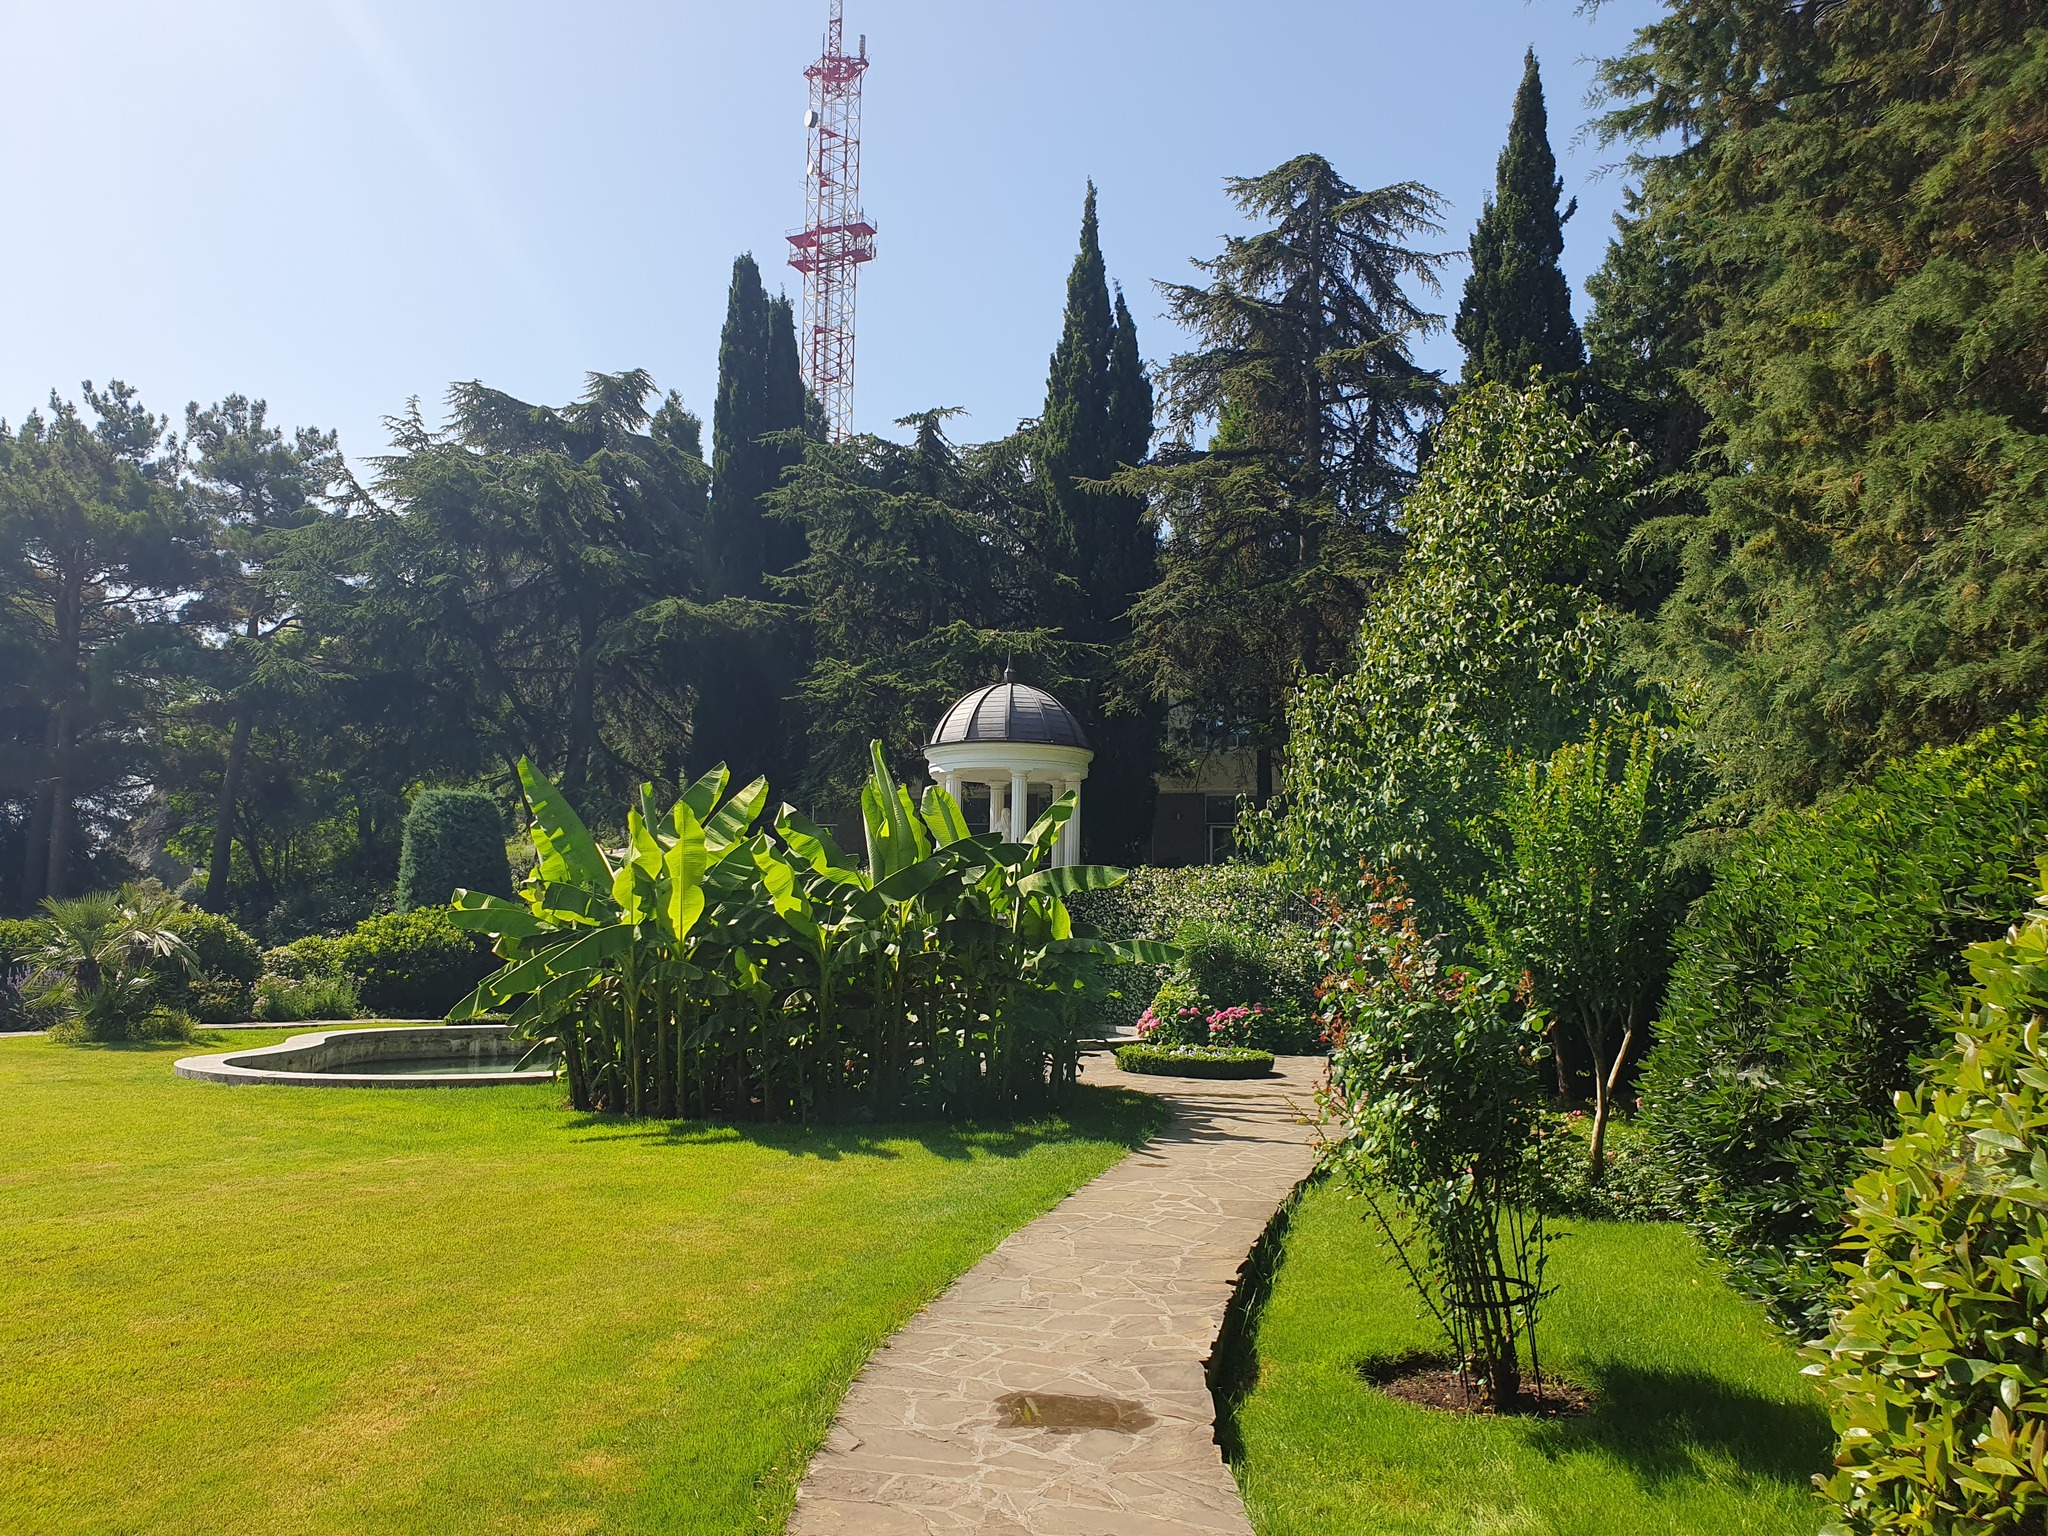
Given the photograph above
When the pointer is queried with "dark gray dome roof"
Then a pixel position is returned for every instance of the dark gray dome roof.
(1008, 711)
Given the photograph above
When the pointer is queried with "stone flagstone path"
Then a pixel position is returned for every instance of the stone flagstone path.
(1058, 1388)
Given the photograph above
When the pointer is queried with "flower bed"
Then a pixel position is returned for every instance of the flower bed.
(1194, 1060)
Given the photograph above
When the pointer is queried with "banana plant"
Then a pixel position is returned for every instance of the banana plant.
(711, 964)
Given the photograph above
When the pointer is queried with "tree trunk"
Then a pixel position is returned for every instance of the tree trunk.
(1605, 1075)
(219, 866)
(35, 864)
(62, 818)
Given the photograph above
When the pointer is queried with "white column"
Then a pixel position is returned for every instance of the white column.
(1020, 806)
(1073, 832)
(952, 784)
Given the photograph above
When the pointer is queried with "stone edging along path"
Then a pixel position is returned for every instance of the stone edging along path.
(1059, 1388)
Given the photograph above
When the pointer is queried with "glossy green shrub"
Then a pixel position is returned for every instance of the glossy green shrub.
(1936, 1367)
(413, 965)
(454, 839)
(1810, 979)
(225, 964)
(19, 937)
(1194, 1060)
(303, 959)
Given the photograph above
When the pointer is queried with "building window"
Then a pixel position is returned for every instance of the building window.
(1221, 815)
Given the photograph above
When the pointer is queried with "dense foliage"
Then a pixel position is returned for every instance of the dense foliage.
(453, 837)
(1809, 980)
(1936, 1366)
(99, 963)
(714, 966)
(1491, 642)
(410, 965)
(1096, 541)
(1233, 1061)
(1584, 896)
(1835, 254)
(1279, 529)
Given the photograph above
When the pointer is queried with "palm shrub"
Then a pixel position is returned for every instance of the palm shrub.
(716, 965)
(96, 968)
(1583, 897)
(1434, 1084)
(1936, 1367)
(454, 839)
(1811, 978)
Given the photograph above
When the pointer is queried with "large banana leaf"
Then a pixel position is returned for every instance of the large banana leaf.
(568, 853)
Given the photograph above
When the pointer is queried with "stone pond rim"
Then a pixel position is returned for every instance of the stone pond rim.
(409, 1056)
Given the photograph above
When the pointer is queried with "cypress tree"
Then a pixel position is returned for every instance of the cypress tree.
(789, 408)
(1097, 544)
(1517, 310)
(750, 662)
(737, 553)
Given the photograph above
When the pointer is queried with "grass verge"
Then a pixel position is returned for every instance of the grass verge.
(268, 1309)
(1702, 1426)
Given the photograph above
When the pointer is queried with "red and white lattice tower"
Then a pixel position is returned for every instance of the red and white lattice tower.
(835, 239)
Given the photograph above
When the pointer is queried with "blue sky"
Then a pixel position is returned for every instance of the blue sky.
(337, 204)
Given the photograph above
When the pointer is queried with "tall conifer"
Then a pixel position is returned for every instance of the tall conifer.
(1098, 544)
(750, 662)
(1517, 309)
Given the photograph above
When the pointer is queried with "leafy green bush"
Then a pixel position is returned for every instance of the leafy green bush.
(1810, 978)
(1194, 1060)
(1493, 640)
(1260, 903)
(304, 959)
(19, 938)
(283, 1000)
(1936, 1367)
(1584, 897)
(454, 839)
(224, 963)
(415, 964)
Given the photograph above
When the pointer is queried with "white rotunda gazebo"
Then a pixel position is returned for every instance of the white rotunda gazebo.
(1018, 740)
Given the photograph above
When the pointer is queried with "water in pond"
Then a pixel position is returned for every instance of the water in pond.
(418, 1066)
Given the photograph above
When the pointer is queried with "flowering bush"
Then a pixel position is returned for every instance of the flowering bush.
(1434, 1085)
(1239, 1026)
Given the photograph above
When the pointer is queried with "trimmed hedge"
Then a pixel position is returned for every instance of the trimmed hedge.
(1812, 977)
(1936, 1369)
(454, 839)
(413, 964)
(1194, 1061)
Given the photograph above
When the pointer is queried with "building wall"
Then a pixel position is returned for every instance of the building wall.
(1197, 809)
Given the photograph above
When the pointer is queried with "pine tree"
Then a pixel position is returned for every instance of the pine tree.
(1283, 525)
(1097, 543)
(1517, 310)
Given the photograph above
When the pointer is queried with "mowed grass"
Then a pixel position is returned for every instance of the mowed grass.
(263, 1309)
(1704, 1426)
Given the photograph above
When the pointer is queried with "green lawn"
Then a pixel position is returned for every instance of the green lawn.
(1704, 1426)
(262, 1309)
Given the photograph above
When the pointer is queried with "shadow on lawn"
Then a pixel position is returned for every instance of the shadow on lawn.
(1096, 1114)
(1675, 1424)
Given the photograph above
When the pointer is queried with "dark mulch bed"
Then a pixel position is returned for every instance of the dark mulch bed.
(1431, 1381)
